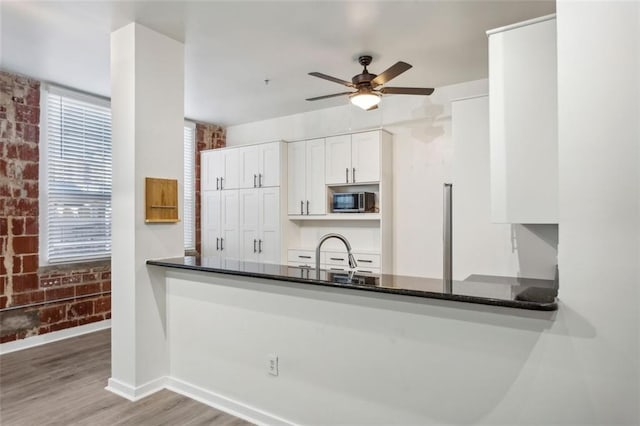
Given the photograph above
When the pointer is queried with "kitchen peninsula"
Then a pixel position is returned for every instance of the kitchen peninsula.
(521, 293)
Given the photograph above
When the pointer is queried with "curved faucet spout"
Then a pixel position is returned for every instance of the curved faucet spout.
(352, 260)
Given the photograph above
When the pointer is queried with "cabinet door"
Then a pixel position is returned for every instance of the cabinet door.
(338, 159)
(365, 157)
(523, 124)
(231, 169)
(296, 161)
(210, 223)
(269, 241)
(250, 165)
(269, 172)
(230, 245)
(211, 169)
(249, 223)
(315, 182)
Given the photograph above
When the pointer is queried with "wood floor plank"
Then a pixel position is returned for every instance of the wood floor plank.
(62, 383)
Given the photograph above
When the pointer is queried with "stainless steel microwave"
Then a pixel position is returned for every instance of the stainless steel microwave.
(353, 202)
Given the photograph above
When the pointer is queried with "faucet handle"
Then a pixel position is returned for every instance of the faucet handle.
(352, 261)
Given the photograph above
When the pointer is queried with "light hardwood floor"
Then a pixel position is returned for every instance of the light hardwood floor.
(62, 383)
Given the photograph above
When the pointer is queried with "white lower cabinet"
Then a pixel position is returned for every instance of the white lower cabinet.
(220, 227)
(242, 225)
(260, 225)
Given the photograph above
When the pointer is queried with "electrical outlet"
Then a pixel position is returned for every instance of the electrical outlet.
(272, 365)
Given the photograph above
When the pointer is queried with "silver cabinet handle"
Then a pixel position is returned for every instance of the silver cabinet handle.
(307, 207)
(304, 257)
(301, 207)
(369, 272)
(353, 175)
(259, 246)
(217, 243)
(221, 185)
(346, 171)
(221, 243)
(254, 180)
(217, 183)
(260, 180)
(336, 258)
(365, 261)
(336, 269)
(254, 245)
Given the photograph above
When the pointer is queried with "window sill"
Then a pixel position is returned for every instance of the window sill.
(73, 266)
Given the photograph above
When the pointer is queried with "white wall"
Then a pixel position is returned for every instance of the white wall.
(422, 152)
(599, 158)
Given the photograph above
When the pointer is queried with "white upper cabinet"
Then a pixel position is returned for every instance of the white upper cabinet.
(219, 169)
(353, 158)
(523, 122)
(296, 172)
(260, 165)
(269, 172)
(365, 157)
(315, 187)
(211, 166)
(306, 178)
(338, 155)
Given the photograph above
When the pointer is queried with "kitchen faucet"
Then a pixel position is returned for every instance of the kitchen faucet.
(352, 261)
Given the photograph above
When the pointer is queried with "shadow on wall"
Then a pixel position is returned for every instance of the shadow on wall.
(429, 121)
(537, 249)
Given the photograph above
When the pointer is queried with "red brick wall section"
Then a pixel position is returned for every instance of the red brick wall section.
(208, 136)
(34, 300)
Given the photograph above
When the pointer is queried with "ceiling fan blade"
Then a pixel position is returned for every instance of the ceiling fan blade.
(334, 79)
(389, 73)
(406, 90)
(328, 96)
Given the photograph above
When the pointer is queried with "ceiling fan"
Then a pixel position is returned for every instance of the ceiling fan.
(367, 85)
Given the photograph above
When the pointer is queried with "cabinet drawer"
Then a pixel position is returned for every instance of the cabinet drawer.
(304, 256)
(367, 260)
(335, 258)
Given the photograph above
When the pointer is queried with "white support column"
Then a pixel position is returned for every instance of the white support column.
(147, 101)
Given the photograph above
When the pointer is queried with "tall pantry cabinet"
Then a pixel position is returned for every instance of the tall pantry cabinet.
(243, 222)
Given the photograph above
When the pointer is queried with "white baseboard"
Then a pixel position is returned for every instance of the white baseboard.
(41, 339)
(223, 403)
(135, 393)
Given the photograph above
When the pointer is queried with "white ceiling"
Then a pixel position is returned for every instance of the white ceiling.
(232, 47)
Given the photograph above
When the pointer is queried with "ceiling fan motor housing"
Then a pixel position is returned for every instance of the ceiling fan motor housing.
(363, 79)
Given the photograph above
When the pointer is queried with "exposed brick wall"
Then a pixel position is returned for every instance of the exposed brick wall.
(35, 300)
(208, 136)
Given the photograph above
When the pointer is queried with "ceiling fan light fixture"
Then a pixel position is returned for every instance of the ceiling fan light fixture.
(365, 100)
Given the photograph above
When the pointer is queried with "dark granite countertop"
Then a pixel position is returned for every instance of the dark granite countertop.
(524, 293)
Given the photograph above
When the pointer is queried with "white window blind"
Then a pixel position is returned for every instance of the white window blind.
(78, 178)
(189, 219)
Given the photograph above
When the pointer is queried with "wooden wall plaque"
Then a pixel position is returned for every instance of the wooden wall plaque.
(161, 203)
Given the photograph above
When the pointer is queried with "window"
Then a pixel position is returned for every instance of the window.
(189, 212)
(76, 188)
(75, 218)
